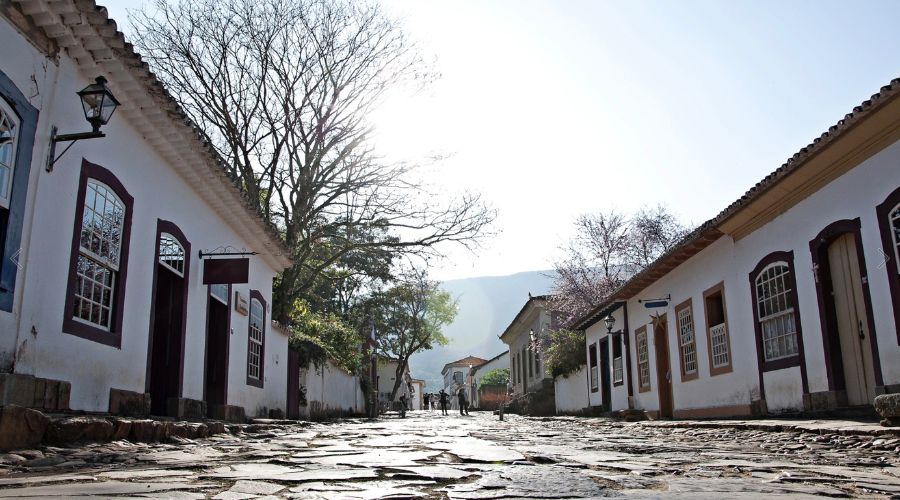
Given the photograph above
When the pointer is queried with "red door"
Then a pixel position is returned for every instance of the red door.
(293, 384)
(663, 369)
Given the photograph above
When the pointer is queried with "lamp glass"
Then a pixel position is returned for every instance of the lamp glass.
(610, 322)
(98, 103)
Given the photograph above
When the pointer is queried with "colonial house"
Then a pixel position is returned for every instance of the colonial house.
(788, 300)
(386, 374)
(476, 373)
(456, 376)
(134, 277)
(528, 374)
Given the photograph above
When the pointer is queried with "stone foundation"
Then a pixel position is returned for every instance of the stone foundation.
(824, 401)
(32, 392)
(228, 413)
(888, 406)
(129, 403)
(186, 408)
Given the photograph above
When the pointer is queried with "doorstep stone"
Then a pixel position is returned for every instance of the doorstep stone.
(128, 403)
(77, 429)
(185, 408)
(17, 389)
(229, 413)
(21, 428)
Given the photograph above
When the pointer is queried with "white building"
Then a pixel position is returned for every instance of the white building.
(500, 361)
(103, 305)
(386, 376)
(457, 375)
(788, 300)
(527, 371)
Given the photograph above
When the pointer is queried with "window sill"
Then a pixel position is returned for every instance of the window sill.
(644, 389)
(255, 382)
(720, 370)
(689, 377)
(94, 334)
(781, 364)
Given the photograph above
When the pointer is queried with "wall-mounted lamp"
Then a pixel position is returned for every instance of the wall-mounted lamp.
(99, 104)
(610, 323)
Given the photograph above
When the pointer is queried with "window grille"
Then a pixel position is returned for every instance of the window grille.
(219, 292)
(9, 130)
(687, 340)
(171, 253)
(775, 312)
(592, 354)
(643, 359)
(254, 360)
(98, 255)
(618, 376)
(719, 340)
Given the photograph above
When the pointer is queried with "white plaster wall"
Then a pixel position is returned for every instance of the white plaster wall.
(387, 372)
(571, 393)
(538, 319)
(159, 193)
(855, 194)
(704, 270)
(593, 335)
(494, 364)
(34, 76)
(329, 388)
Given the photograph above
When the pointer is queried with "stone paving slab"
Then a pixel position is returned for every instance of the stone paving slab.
(478, 457)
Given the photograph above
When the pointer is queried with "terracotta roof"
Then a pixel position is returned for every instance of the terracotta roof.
(466, 361)
(708, 232)
(91, 38)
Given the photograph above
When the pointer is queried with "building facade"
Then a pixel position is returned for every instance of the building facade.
(787, 301)
(105, 301)
(500, 361)
(526, 370)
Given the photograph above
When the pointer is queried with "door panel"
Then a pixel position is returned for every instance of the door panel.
(293, 384)
(605, 374)
(852, 322)
(663, 370)
(217, 338)
(165, 361)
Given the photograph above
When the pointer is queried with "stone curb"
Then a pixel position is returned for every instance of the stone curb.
(22, 428)
(842, 427)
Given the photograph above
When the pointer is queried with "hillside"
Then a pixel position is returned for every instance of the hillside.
(487, 304)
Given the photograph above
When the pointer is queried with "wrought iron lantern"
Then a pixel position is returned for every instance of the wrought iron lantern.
(98, 104)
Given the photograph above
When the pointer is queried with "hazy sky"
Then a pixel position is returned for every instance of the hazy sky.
(555, 108)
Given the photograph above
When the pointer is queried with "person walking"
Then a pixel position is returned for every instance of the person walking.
(444, 400)
(427, 398)
(461, 395)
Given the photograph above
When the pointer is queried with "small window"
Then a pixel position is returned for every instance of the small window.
(458, 377)
(618, 374)
(523, 361)
(888, 213)
(171, 253)
(530, 363)
(775, 312)
(717, 330)
(537, 364)
(643, 355)
(592, 357)
(102, 227)
(687, 341)
(256, 340)
(9, 135)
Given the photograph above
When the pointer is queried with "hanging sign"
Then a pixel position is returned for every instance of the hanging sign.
(226, 271)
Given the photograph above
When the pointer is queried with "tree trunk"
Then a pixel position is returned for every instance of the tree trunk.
(398, 379)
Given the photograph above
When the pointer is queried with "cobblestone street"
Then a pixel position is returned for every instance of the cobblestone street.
(426, 455)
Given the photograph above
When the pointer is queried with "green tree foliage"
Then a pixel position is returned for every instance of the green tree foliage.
(565, 352)
(409, 317)
(319, 336)
(497, 376)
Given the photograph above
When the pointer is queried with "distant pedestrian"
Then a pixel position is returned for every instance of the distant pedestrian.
(444, 400)
(463, 404)
(427, 398)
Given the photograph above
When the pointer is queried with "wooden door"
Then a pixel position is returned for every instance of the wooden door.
(166, 357)
(852, 321)
(663, 369)
(293, 384)
(605, 388)
(217, 338)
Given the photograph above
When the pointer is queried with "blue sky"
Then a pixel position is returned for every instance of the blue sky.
(555, 108)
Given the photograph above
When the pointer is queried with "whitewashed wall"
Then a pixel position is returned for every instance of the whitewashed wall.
(331, 390)
(852, 195)
(496, 363)
(571, 392)
(537, 319)
(593, 335)
(159, 193)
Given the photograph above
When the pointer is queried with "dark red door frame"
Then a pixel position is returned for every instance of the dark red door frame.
(227, 356)
(164, 226)
(831, 344)
(883, 211)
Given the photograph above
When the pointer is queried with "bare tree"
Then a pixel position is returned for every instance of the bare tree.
(284, 88)
(607, 249)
